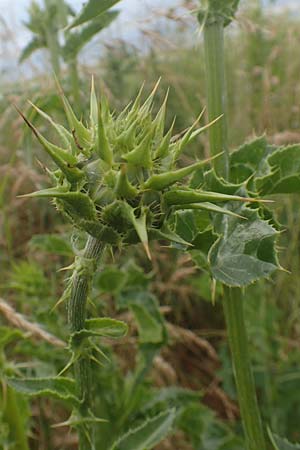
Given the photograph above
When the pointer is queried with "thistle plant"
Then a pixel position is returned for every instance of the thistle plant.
(116, 179)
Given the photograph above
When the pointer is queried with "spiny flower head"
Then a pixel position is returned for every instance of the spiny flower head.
(116, 177)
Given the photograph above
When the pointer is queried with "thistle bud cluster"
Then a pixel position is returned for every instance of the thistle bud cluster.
(116, 178)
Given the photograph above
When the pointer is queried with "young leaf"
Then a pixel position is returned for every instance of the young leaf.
(164, 180)
(107, 327)
(149, 434)
(92, 9)
(60, 388)
(80, 203)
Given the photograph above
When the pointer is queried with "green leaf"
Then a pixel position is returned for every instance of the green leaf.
(52, 243)
(149, 434)
(245, 251)
(79, 203)
(107, 327)
(36, 43)
(281, 443)
(77, 40)
(150, 330)
(92, 9)
(283, 176)
(110, 280)
(60, 388)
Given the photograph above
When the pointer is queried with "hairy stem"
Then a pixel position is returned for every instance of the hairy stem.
(85, 268)
(12, 416)
(233, 298)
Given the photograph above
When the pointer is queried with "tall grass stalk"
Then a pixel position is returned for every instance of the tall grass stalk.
(233, 297)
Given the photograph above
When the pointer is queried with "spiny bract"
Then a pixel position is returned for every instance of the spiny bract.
(116, 178)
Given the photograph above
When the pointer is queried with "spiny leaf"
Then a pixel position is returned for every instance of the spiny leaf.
(164, 180)
(92, 9)
(206, 206)
(141, 155)
(149, 434)
(81, 134)
(124, 188)
(103, 147)
(246, 250)
(184, 197)
(80, 203)
(64, 134)
(283, 176)
(60, 388)
(62, 158)
(107, 327)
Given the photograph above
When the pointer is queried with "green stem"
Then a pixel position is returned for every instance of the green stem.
(12, 416)
(233, 298)
(237, 333)
(216, 94)
(82, 278)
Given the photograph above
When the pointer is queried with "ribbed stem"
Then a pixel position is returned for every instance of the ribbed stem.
(82, 278)
(216, 95)
(234, 314)
(233, 298)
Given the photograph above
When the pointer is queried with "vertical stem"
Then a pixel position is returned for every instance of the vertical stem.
(216, 94)
(233, 298)
(12, 416)
(238, 339)
(82, 279)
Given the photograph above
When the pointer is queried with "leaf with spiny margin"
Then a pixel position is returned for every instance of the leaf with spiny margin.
(250, 161)
(283, 176)
(141, 155)
(194, 227)
(140, 226)
(158, 182)
(282, 443)
(103, 147)
(59, 387)
(102, 327)
(149, 434)
(79, 203)
(62, 158)
(206, 206)
(77, 40)
(65, 135)
(92, 9)
(82, 135)
(245, 251)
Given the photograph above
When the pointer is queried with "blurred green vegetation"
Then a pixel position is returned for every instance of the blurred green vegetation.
(263, 67)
